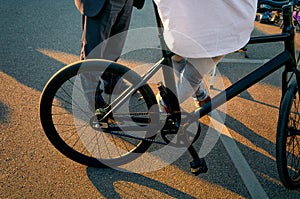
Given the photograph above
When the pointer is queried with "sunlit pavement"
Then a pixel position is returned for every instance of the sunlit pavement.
(245, 153)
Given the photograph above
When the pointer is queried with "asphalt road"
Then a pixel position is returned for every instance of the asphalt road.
(38, 37)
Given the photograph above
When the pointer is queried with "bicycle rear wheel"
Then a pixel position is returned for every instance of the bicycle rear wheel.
(69, 120)
(288, 138)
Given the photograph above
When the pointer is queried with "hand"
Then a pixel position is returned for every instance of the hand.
(138, 4)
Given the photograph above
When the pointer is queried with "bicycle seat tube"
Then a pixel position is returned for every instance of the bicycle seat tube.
(168, 77)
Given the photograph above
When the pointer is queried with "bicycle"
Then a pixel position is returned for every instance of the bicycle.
(273, 15)
(76, 132)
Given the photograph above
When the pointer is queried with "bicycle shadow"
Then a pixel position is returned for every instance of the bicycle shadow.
(260, 154)
(112, 183)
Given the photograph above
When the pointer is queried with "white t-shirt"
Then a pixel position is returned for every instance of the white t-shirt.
(206, 28)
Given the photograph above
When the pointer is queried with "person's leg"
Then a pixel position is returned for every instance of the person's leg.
(117, 37)
(178, 63)
(190, 82)
(201, 95)
(97, 30)
(118, 31)
(95, 34)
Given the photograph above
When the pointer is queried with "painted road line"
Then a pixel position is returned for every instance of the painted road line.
(249, 178)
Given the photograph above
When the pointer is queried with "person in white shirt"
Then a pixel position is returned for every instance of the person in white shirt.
(201, 33)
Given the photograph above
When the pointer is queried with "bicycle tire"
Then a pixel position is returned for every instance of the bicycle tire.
(59, 94)
(288, 140)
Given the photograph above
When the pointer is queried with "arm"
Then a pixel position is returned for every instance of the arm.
(89, 8)
(138, 3)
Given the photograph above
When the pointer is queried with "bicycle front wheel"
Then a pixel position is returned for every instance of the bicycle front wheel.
(69, 120)
(288, 138)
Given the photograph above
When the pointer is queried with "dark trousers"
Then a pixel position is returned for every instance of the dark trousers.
(104, 37)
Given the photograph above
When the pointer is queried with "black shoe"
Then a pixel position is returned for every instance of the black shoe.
(171, 126)
(101, 112)
(198, 166)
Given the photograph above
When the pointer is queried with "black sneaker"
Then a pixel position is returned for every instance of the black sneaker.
(101, 112)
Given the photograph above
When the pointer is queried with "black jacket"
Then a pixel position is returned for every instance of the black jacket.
(91, 8)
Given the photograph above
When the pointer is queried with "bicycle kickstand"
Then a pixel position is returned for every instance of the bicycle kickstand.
(198, 165)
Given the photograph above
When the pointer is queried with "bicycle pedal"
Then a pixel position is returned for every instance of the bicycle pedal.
(198, 166)
(170, 127)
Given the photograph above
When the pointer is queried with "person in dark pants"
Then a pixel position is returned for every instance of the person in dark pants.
(105, 23)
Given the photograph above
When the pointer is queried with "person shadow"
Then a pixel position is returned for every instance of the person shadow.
(112, 183)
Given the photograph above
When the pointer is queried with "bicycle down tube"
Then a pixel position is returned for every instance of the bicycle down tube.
(246, 82)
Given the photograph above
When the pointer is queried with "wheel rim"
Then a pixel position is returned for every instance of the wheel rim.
(293, 142)
(73, 136)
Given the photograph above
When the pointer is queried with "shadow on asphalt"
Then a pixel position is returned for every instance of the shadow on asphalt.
(4, 113)
(261, 157)
(115, 184)
(112, 183)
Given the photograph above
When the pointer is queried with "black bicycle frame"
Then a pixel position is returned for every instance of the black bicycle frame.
(286, 58)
